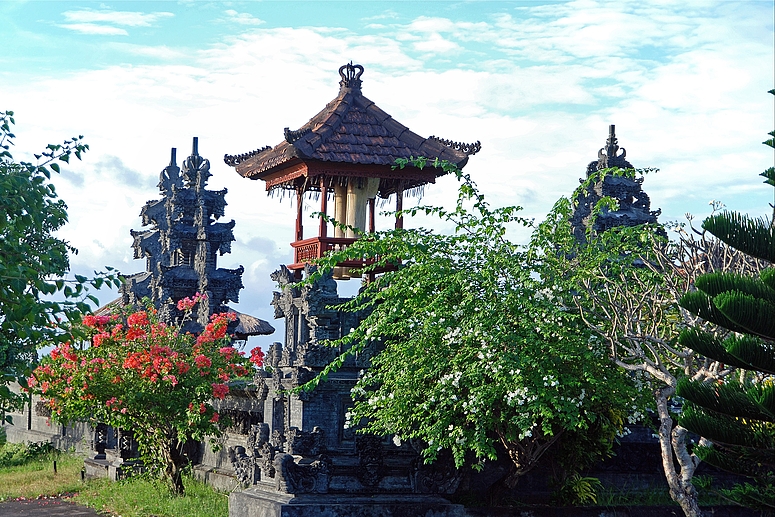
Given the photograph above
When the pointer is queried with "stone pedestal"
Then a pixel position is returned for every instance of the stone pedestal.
(259, 503)
(304, 457)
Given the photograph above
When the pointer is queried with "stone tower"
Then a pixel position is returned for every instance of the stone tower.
(182, 245)
(634, 204)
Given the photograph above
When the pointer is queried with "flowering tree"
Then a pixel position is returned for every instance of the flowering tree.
(475, 354)
(139, 374)
(626, 283)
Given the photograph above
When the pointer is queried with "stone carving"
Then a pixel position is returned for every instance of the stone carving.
(265, 460)
(241, 421)
(310, 477)
(439, 477)
(244, 466)
(302, 443)
(42, 409)
(310, 319)
(370, 457)
(258, 435)
(250, 468)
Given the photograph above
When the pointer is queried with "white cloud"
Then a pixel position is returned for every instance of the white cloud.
(93, 28)
(157, 52)
(233, 16)
(122, 18)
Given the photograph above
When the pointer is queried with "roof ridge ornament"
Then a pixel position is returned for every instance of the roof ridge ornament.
(232, 160)
(468, 149)
(351, 76)
(611, 149)
(293, 136)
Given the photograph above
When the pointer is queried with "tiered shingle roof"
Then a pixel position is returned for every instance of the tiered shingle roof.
(350, 130)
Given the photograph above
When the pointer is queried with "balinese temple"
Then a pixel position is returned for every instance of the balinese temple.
(181, 249)
(634, 204)
(346, 155)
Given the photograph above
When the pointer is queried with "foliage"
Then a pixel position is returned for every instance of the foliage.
(33, 262)
(135, 497)
(625, 282)
(35, 476)
(738, 416)
(474, 352)
(13, 454)
(141, 375)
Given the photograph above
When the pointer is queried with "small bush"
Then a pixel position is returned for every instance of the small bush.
(14, 454)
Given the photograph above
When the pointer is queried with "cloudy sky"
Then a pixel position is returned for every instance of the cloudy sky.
(537, 82)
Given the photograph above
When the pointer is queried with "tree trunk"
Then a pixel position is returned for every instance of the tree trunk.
(673, 446)
(173, 471)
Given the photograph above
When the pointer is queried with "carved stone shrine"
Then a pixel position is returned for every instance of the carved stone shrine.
(634, 204)
(181, 250)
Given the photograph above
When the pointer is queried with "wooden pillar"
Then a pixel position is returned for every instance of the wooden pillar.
(323, 206)
(372, 202)
(399, 207)
(299, 213)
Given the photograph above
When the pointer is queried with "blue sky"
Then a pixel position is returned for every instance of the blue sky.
(537, 82)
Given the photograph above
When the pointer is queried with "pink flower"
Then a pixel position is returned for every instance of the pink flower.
(186, 304)
(257, 357)
(202, 361)
(220, 391)
(137, 319)
(99, 338)
(227, 352)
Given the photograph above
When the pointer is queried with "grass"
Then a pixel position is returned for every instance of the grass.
(32, 475)
(652, 496)
(141, 497)
(36, 476)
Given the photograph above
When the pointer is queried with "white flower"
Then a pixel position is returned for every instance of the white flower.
(396, 440)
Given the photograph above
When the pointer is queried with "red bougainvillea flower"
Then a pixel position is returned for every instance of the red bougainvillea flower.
(202, 361)
(138, 319)
(257, 357)
(99, 338)
(215, 417)
(220, 391)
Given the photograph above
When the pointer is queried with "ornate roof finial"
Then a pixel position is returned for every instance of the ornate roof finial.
(611, 149)
(351, 76)
(196, 169)
(170, 175)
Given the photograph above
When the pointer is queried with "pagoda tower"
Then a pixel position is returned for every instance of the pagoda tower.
(304, 457)
(347, 154)
(181, 250)
(634, 204)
